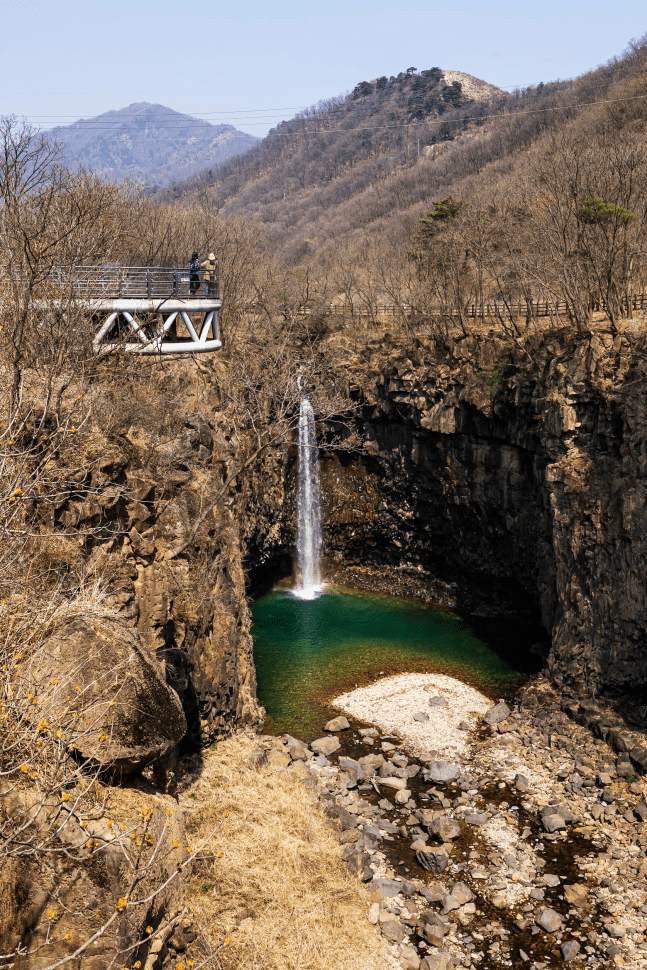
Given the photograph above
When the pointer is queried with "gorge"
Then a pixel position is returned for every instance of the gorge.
(504, 482)
(518, 495)
(466, 436)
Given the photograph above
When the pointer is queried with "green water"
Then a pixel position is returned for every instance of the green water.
(308, 651)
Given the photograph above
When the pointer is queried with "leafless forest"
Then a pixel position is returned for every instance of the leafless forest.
(547, 184)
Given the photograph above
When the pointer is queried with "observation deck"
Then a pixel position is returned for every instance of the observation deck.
(149, 309)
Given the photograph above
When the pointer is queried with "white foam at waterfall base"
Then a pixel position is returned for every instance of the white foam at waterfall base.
(309, 585)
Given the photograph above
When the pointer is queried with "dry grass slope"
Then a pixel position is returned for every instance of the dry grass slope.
(275, 885)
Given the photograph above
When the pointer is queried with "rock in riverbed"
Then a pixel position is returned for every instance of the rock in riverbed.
(325, 746)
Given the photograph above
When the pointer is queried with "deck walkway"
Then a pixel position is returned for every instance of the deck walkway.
(149, 309)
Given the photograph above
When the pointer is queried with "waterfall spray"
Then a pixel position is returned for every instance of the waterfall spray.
(308, 507)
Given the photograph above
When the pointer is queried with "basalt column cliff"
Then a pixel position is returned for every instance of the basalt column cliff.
(499, 481)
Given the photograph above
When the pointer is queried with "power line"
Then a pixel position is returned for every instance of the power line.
(303, 107)
(235, 113)
(172, 113)
(460, 121)
(411, 124)
(341, 109)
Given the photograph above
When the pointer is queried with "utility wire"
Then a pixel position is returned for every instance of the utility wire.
(301, 107)
(411, 124)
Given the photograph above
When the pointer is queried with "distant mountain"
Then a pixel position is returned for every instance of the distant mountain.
(150, 143)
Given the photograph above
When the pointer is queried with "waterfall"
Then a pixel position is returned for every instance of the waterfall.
(308, 507)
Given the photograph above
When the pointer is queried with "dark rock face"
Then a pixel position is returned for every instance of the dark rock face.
(529, 495)
(462, 505)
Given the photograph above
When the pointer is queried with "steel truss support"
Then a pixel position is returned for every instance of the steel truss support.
(151, 326)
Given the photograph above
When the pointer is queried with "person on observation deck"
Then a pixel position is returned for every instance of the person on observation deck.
(210, 267)
(194, 274)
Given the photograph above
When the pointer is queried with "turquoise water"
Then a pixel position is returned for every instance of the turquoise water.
(306, 652)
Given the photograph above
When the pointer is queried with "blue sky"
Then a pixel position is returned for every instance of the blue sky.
(255, 64)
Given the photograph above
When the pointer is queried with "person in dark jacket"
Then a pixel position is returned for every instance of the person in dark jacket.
(194, 274)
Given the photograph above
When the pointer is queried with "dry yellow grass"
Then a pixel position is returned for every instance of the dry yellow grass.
(274, 886)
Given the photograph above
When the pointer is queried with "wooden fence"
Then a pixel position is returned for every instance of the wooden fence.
(475, 311)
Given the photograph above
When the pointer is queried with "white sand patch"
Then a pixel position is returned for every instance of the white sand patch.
(501, 834)
(391, 703)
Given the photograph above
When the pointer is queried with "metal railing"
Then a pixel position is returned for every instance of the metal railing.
(141, 282)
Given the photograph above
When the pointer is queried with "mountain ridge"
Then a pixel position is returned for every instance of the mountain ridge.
(375, 160)
(149, 142)
(308, 167)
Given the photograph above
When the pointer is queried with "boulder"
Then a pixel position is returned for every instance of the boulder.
(419, 844)
(576, 895)
(552, 823)
(388, 887)
(337, 724)
(437, 701)
(476, 818)
(361, 862)
(278, 759)
(352, 768)
(558, 809)
(639, 757)
(298, 752)
(98, 685)
(461, 893)
(301, 770)
(433, 934)
(393, 930)
(497, 713)
(433, 859)
(570, 949)
(325, 746)
(549, 879)
(549, 920)
(433, 892)
(438, 960)
(409, 958)
(257, 759)
(442, 771)
(398, 783)
(445, 829)
(408, 889)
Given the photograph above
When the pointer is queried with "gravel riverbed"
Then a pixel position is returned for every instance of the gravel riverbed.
(488, 836)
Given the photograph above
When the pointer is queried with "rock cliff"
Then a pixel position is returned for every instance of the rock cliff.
(150, 525)
(521, 480)
(503, 480)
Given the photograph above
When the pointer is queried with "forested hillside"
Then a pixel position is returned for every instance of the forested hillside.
(376, 158)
